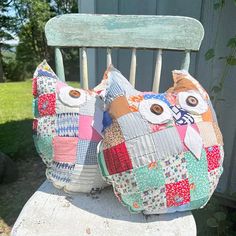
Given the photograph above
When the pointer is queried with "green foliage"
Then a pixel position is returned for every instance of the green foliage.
(219, 5)
(31, 17)
(229, 60)
(209, 54)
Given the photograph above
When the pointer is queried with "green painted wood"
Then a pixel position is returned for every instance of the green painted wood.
(59, 65)
(126, 31)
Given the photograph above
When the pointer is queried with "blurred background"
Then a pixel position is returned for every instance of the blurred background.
(23, 46)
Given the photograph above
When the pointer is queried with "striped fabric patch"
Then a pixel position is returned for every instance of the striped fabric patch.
(67, 124)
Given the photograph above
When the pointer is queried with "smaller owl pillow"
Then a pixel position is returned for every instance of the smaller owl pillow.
(162, 152)
(65, 131)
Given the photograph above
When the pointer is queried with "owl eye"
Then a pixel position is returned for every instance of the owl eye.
(192, 102)
(72, 97)
(74, 93)
(155, 111)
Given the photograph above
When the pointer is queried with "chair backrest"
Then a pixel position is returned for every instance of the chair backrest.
(124, 31)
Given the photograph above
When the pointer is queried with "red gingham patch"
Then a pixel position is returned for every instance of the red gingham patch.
(213, 157)
(47, 104)
(178, 194)
(117, 159)
(34, 87)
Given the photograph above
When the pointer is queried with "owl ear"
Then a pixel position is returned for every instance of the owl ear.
(184, 81)
(44, 79)
(43, 69)
(181, 82)
(113, 90)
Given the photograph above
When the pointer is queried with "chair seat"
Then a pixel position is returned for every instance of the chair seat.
(51, 211)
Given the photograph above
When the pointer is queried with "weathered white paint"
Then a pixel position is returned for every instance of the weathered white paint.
(109, 58)
(85, 68)
(186, 61)
(51, 212)
(133, 65)
(157, 75)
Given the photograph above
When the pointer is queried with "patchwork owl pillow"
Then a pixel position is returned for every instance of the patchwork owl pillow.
(162, 152)
(65, 131)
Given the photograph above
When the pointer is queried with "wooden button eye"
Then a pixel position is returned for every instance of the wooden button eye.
(191, 101)
(156, 109)
(74, 93)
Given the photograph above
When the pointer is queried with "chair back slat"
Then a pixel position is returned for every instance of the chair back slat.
(59, 65)
(84, 69)
(133, 65)
(109, 58)
(157, 74)
(124, 31)
(186, 61)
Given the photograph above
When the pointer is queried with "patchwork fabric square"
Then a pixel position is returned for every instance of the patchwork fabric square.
(44, 148)
(207, 133)
(117, 159)
(65, 131)
(139, 147)
(174, 168)
(133, 125)
(213, 157)
(125, 182)
(149, 176)
(167, 143)
(163, 140)
(46, 84)
(86, 152)
(64, 149)
(46, 126)
(219, 137)
(181, 116)
(197, 175)
(114, 135)
(89, 109)
(46, 104)
(86, 131)
(177, 193)
(67, 124)
(133, 201)
(102, 164)
(61, 173)
(213, 177)
(154, 199)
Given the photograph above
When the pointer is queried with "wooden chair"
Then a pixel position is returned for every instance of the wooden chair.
(53, 212)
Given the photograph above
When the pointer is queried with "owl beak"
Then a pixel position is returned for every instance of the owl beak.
(193, 142)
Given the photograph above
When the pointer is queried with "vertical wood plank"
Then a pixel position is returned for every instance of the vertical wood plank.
(133, 65)
(157, 75)
(59, 65)
(109, 59)
(84, 69)
(186, 61)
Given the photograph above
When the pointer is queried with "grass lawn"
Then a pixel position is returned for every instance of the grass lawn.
(16, 141)
(16, 119)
